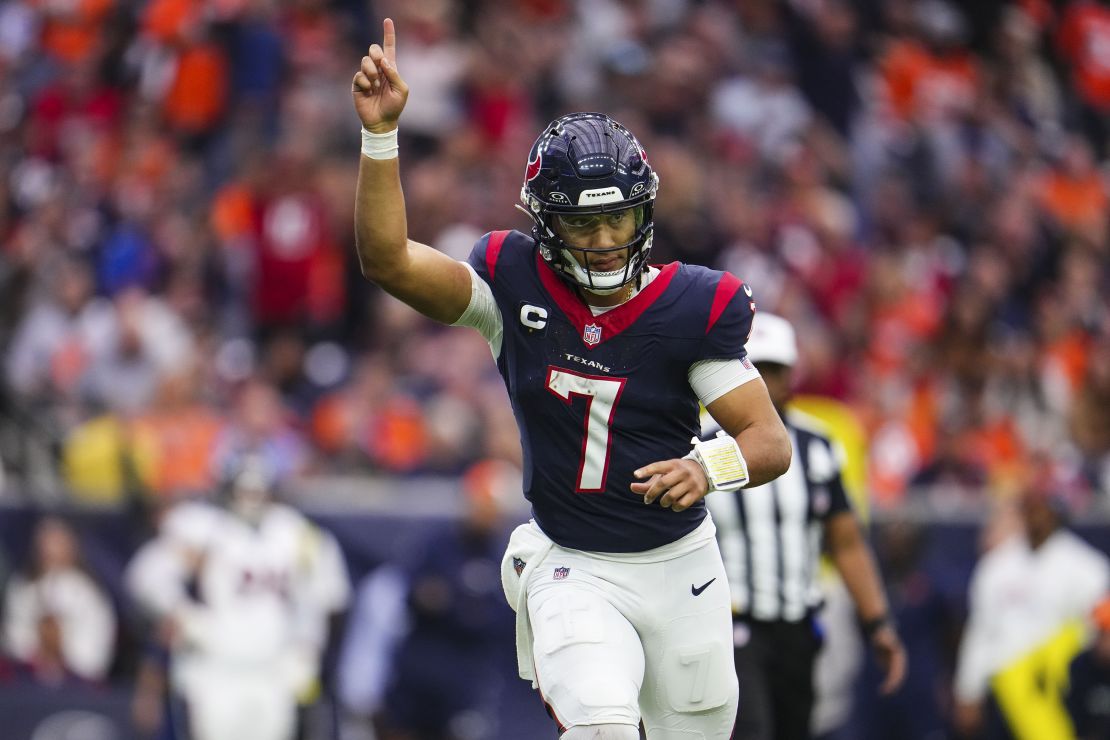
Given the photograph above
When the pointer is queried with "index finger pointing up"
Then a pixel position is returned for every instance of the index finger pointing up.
(389, 40)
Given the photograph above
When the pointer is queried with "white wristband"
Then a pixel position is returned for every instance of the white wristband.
(724, 465)
(379, 146)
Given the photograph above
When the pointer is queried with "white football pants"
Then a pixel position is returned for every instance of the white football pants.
(630, 636)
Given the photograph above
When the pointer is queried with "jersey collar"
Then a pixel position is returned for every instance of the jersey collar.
(594, 330)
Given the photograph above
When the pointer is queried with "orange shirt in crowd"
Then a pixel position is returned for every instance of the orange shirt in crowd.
(233, 212)
(178, 448)
(197, 96)
(921, 83)
(898, 329)
(77, 33)
(1084, 41)
(1068, 356)
(397, 438)
(1073, 201)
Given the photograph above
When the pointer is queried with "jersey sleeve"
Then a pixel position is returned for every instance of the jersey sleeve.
(482, 312)
(729, 324)
(485, 255)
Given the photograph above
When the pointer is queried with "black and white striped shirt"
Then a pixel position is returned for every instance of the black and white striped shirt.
(770, 535)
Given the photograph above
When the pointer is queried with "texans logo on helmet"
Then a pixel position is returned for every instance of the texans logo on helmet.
(533, 167)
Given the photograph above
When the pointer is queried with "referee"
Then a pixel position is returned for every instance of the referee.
(771, 538)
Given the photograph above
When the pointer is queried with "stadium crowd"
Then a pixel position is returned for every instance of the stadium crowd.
(917, 185)
(920, 186)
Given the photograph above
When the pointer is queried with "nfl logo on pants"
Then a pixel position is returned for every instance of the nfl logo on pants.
(561, 573)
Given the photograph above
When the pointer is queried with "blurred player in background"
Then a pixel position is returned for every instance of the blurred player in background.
(623, 610)
(243, 593)
(1030, 596)
(771, 537)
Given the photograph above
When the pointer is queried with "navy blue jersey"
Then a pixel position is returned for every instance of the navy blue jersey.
(598, 397)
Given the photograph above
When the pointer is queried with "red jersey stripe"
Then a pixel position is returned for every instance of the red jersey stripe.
(493, 250)
(726, 289)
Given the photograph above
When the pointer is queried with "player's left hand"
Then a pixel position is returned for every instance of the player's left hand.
(891, 656)
(678, 483)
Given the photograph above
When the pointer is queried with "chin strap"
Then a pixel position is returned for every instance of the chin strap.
(724, 465)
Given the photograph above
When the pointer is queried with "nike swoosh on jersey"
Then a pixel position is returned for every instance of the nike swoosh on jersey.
(696, 590)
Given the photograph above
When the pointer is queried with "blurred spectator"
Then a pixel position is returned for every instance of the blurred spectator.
(1073, 193)
(260, 425)
(763, 107)
(1083, 32)
(1089, 428)
(824, 41)
(175, 438)
(148, 340)
(1028, 595)
(446, 675)
(58, 336)
(194, 84)
(100, 462)
(73, 32)
(58, 622)
(931, 75)
(1089, 681)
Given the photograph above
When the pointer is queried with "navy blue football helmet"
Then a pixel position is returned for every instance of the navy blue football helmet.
(583, 165)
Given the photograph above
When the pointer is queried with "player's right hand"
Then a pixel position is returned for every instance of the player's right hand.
(379, 92)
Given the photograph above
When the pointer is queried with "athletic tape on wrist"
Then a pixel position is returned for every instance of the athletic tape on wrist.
(724, 465)
(380, 146)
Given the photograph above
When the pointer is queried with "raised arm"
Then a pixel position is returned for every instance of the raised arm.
(429, 281)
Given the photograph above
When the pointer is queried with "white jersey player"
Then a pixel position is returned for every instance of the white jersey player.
(248, 590)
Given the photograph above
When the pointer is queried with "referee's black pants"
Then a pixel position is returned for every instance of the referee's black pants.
(775, 671)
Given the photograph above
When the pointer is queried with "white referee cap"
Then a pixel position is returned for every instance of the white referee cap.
(772, 340)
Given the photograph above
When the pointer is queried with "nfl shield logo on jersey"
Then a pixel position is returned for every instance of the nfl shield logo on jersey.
(561, 573)
(591, 335)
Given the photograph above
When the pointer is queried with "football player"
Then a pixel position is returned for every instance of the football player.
(623, 610)
(245, 592)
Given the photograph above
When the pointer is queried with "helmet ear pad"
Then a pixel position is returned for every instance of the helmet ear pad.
(583, 164)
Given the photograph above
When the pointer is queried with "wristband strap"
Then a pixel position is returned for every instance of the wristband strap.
(380, 146)
(871, 626)
(723, 463)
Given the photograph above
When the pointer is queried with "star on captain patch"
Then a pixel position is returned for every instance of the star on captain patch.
(591, 335)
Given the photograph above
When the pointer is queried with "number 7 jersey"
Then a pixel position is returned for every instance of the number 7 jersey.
(596, 397)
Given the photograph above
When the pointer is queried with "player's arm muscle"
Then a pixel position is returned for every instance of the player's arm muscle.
(746, 412)
(429, 281)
